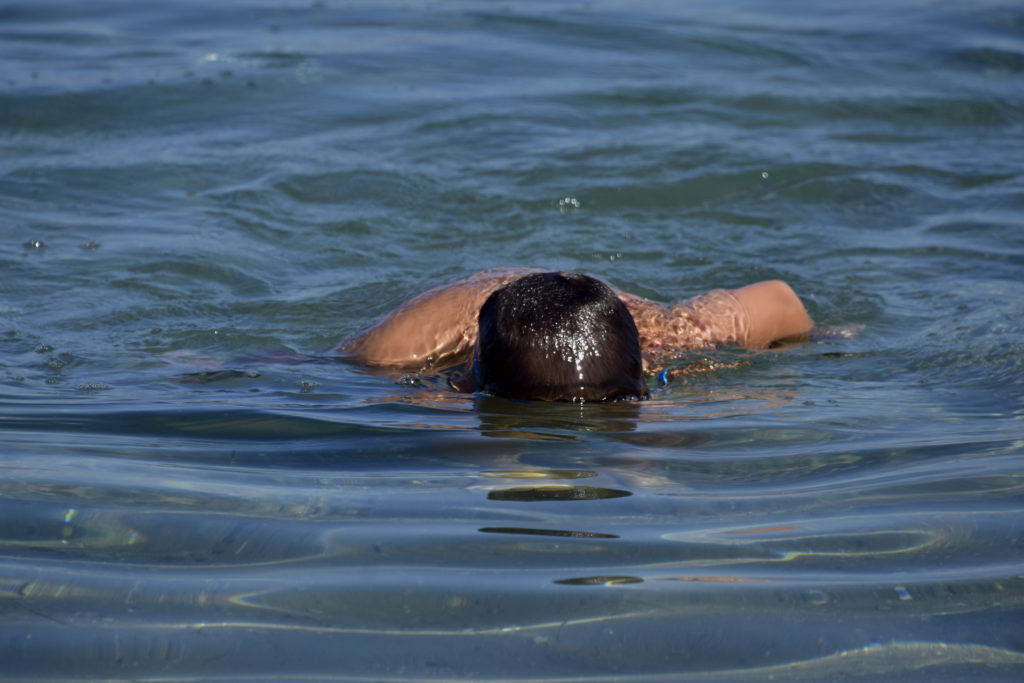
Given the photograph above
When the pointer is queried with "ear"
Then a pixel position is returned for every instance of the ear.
(461, 379)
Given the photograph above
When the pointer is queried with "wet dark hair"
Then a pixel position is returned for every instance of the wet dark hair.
(558, 337)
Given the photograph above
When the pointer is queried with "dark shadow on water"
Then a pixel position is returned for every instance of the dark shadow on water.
(599, 581)
(536, 494)
(541, 420)
(561, 533)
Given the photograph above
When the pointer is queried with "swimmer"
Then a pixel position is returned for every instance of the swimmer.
(523, 333)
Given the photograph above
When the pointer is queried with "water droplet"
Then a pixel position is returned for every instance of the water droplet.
(568, 204)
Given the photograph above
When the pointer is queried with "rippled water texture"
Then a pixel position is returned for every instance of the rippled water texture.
(200, 186)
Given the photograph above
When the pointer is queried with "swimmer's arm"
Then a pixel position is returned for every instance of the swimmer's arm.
(435, 329)
(775, 314)
(754, 316)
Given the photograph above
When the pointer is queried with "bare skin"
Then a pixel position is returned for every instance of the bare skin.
(438, 328)
(776, 313)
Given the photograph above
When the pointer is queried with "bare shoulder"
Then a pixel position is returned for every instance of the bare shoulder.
(435, 328)
(753, 316)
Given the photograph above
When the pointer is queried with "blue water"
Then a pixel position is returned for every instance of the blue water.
(193, 186)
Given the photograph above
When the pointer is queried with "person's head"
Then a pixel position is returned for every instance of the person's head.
(558, 337)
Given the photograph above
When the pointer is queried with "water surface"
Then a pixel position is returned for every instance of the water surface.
(192, 186)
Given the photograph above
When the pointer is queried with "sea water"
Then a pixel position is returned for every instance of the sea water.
(197, 187)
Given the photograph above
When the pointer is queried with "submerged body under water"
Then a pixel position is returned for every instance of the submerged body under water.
(190, 188)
